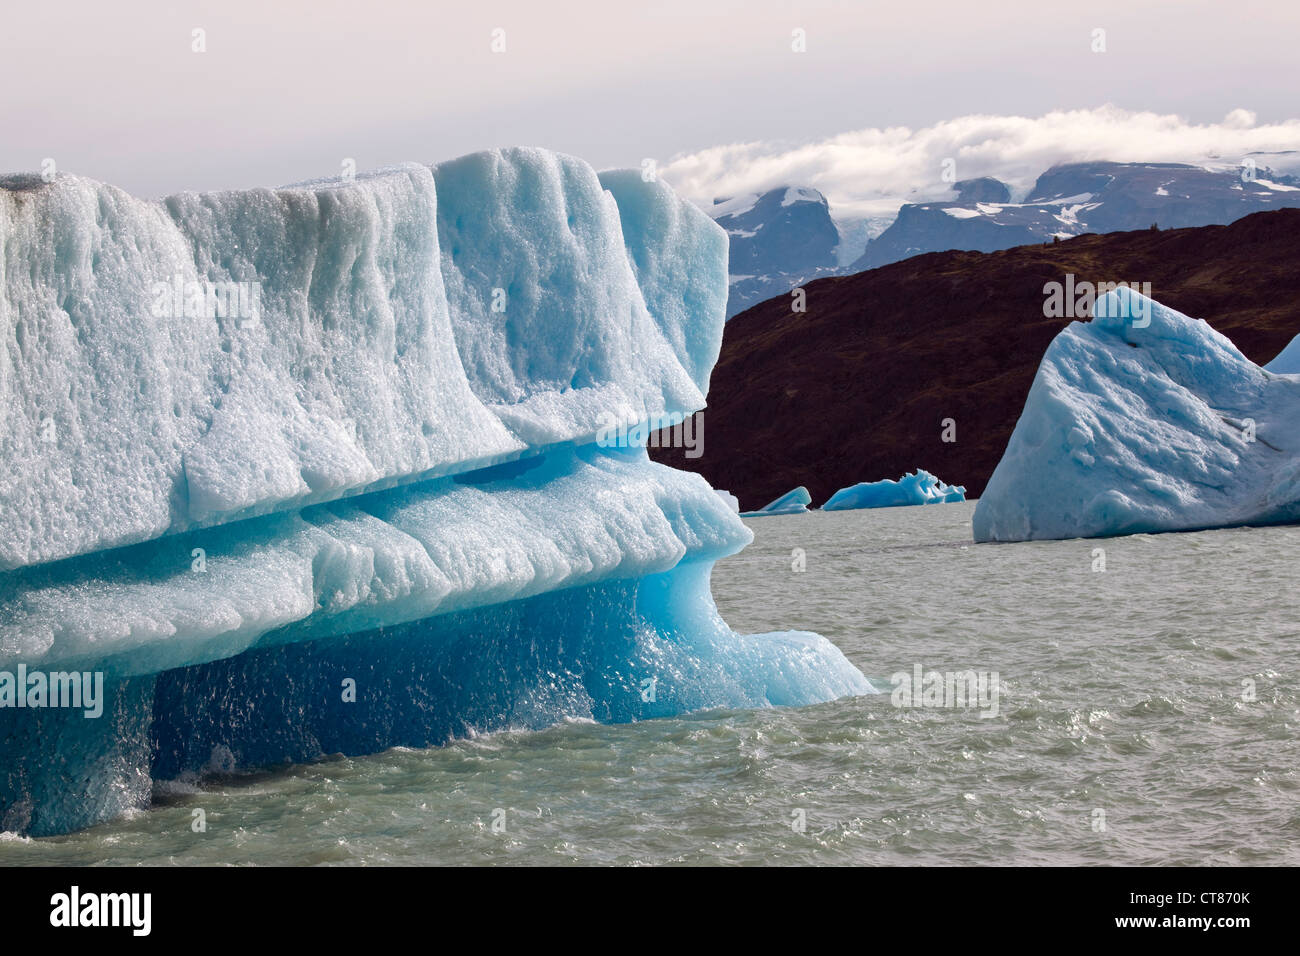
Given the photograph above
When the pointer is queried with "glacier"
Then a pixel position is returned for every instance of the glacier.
(371, 510)
(1145, 420)
(793, 502)
(914, 488)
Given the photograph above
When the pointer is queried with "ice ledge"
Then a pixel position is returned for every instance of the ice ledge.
(572, 518)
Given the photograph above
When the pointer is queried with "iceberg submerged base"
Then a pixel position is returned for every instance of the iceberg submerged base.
(612, 652)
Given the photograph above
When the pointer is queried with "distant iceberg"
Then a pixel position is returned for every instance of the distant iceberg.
(793, 502)
(731, 500)
(1145, 420)
(1286, 362)
(915, 488)
(314, 470)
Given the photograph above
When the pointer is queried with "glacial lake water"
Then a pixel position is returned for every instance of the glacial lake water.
(1147, 713)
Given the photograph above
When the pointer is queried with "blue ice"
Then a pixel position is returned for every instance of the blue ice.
(257, 443)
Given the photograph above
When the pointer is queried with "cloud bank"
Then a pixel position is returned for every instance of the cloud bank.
(868, 173)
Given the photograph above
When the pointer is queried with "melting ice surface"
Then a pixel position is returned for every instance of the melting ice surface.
(1145, 420)
(373, 512)
(915, 488)
(793, 502)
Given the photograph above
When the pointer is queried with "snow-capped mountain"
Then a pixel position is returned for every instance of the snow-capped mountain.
(788, 236)
(779, 239)
(1073, 199)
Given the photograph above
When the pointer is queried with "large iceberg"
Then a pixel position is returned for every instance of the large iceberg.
(313, 470)
(1145, 420)
(914, 488)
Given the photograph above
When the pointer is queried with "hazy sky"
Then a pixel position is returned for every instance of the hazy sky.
(289, 88)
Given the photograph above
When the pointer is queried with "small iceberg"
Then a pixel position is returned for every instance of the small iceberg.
(794, 502)
(915, 488)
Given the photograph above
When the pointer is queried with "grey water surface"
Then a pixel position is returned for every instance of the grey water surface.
(1146, 714)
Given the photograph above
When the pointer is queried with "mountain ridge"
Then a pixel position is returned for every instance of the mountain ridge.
(857, 387)
(789, 236)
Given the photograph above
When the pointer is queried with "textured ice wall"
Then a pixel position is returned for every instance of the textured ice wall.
(412, 322)
(1145, 420)
(386, 469)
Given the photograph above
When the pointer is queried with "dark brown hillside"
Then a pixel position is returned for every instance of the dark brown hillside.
(856, 388)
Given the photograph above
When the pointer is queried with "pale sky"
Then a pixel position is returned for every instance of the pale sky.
(288, 89)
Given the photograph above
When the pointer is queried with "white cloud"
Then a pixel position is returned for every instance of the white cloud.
(870, 172)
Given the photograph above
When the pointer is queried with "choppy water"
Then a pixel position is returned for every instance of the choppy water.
(1122, 735)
